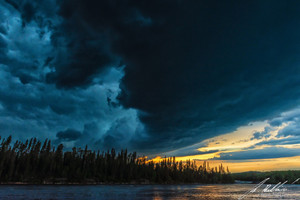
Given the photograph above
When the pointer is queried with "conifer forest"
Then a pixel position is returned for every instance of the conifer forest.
(39, 162)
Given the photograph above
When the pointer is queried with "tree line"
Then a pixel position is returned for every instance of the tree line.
(292, 176)
(39, 162)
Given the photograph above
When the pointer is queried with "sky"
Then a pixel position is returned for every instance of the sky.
(203, 80)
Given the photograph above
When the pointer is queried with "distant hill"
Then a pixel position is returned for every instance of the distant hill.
(275, 176)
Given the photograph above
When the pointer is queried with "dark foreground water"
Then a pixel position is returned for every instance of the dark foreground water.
(144, 192)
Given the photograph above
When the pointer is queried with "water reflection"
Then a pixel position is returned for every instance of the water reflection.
(142, 192)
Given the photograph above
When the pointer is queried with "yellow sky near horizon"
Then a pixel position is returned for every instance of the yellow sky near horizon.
(235, 166)
(242, 140)
(274, 164)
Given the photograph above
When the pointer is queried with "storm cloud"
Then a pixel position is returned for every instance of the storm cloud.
(68, 134)
(152, 76)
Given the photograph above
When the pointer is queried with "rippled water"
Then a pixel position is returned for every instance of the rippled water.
(143, 192)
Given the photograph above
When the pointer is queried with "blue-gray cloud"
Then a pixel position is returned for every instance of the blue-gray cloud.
(31, 107)
(263, 134)
(68, 135)
(289, 134)
(266, 153)
(285, 141)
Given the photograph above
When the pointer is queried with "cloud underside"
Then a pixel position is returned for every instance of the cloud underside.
(148, 76)
(275, 138)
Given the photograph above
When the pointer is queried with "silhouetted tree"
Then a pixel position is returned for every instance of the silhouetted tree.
(36, 162)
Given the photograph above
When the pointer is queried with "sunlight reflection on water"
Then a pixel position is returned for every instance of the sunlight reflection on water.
(143, 192)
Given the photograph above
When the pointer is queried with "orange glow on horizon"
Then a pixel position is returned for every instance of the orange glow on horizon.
(238, 141)
(275, 164)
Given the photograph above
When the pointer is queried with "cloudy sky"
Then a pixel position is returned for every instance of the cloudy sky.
(217, 80)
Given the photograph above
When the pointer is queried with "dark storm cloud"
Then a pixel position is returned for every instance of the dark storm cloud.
(33, 9)
(204, 68)
(211, 66)
(193, 69)
(83, 50)
(81, 62)
(209, 70)
(29, 107)
(68, 135)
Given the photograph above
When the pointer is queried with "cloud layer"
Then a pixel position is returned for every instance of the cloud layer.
(151, 76)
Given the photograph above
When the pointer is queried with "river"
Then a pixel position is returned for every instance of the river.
(143, 192)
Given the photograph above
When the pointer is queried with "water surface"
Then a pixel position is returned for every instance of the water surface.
(143, 192)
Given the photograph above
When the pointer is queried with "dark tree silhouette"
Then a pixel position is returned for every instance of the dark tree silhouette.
(36, 162)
